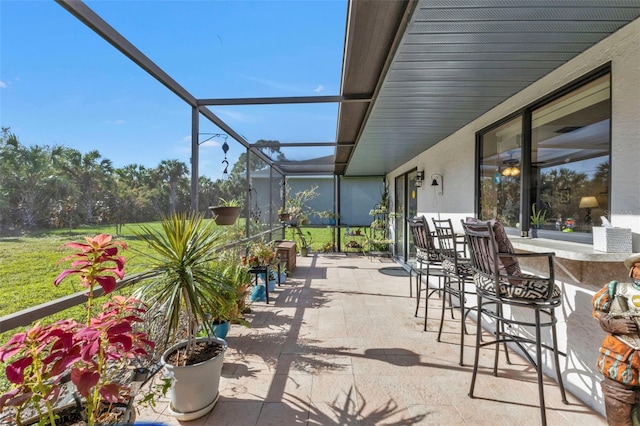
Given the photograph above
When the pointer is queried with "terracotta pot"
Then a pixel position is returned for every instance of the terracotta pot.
(225, 215)
(284, 217)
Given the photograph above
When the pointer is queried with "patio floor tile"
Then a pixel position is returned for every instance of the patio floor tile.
(339, 344)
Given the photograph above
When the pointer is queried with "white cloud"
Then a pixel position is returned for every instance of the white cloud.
(319, 89)
(116, 122)
(3, 84)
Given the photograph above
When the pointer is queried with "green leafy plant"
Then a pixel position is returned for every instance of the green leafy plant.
(180, 279)
(237, 279)
(260, 254)
(538, 218)
(233, 202)
(92, 354)
(297, 204)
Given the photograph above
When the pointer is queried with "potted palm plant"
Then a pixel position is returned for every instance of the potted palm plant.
(227, 212)
(184, 288)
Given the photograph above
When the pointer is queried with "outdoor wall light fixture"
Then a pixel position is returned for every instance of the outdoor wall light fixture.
(419, 179)
(437, 183)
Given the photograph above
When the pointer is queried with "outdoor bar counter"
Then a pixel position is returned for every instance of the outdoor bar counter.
(580, 271)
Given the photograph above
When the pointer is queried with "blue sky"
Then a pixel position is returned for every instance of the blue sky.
(61, 84)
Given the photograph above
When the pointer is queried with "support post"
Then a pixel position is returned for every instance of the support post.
(195, 125)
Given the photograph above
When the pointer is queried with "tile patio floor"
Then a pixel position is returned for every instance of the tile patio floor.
(339, 345)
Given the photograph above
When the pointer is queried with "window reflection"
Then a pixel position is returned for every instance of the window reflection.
(500, 177)
(569, 169)
(570, 158)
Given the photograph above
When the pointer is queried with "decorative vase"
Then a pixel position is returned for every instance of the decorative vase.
(304, 251)
(272, 285)
(194, 388)
(225, 215)
(221, 329)
(258, 294)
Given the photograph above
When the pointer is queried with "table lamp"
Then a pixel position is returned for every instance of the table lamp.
(588, 203)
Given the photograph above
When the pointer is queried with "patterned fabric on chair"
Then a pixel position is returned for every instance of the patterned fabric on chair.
(533, 299)
(531, 287)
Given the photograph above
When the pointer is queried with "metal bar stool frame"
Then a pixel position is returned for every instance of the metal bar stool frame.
(457, 267)
(486, 258)
(426, 254)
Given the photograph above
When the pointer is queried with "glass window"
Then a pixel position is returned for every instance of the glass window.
(570, 158)
(500, 166)
(567, 171)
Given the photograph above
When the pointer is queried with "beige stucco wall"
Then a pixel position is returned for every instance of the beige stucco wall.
(453, 157)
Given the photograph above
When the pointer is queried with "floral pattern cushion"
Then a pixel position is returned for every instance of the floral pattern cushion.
(532, 287)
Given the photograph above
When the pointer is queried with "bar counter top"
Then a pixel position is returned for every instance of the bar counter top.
(566, 249)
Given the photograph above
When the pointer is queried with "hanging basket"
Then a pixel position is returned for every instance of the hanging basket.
(284, 217)
(225, 215)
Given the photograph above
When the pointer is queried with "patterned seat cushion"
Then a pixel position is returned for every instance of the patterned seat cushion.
(464, 267)
(531, 287)
(428, 256)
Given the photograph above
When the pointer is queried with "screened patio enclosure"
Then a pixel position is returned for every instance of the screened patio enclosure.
(414, 73)
(425, 86)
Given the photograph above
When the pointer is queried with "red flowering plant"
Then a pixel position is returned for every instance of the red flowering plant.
(93, 353)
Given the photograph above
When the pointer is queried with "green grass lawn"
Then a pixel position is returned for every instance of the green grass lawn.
(29, 265)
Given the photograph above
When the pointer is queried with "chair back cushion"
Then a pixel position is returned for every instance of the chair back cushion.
(508, 265)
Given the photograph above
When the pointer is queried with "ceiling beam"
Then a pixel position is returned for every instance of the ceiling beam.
(287, 100)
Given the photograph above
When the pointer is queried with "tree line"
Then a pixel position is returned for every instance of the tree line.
(44, 186)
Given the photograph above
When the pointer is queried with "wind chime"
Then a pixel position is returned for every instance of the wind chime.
(255, 211)
(225, 149)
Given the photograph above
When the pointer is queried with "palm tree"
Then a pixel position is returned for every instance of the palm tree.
(29, 181)
(91, 174)
(171, 172)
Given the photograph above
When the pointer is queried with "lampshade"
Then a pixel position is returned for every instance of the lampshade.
(588, 202)
(511, 171)
(512, 167)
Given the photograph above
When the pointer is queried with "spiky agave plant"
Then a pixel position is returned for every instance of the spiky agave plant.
(182, 281)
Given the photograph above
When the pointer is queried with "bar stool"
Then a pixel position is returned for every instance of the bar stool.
(427, 254)
(459, 274)
(500, 283)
